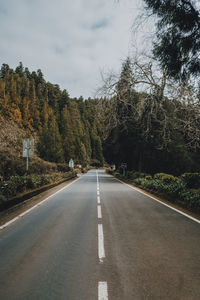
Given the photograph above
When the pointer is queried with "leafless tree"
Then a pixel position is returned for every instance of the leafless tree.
(163, 106)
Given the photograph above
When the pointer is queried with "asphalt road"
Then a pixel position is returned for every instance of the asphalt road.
(99, 239)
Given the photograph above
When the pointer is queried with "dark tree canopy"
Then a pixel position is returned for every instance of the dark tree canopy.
(178, 36)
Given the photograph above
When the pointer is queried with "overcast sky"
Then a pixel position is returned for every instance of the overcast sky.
(69, 40)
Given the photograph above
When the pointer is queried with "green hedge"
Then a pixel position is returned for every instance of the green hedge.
(166, 178)
(191, 180)
(175, 188)
(18, 184)
(185, 188)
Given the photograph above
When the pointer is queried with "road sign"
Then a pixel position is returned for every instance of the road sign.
(71, 163)
(28, 147)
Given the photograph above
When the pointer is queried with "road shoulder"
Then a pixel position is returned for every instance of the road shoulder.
(165, 202)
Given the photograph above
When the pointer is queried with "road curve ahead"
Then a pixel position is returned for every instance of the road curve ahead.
(99, 239)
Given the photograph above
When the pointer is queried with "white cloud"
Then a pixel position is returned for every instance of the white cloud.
(70, 41)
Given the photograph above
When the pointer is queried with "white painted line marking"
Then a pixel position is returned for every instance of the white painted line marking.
(33, 207)
(102, 290)
(99, 214)
(97, 188)
(98, 200)
(180, 212)
(97, 177)
(101, 250)
(9, 222)
(98, 193)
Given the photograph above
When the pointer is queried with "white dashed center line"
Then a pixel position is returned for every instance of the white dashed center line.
(102, 285)
(102, 290)
(101, 250)
(99, 214)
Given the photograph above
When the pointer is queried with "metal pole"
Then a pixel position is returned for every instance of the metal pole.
(28, 148)
(27, 163)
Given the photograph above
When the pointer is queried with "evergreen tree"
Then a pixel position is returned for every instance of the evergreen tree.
(50, 143)
(178, 36)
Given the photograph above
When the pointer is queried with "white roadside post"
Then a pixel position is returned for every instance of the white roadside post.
(28, 150)
(71, 163)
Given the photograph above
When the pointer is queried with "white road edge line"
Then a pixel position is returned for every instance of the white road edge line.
(180, 212)
(101, 250)
(98, 193)
(98, 200)
(97, 177)
(99, 214)
(102, 290)
(33, 207)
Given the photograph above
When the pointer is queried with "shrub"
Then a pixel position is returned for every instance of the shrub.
(13, 186)
(63, 168)
(130, 175)
(39, 166)
(191, 199)
(135, 174)
(191, 180)
(10, 164)
(70, 174)
(166, 178)
(109, 171)
(2, 198)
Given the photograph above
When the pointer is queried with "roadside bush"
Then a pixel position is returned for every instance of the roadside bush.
(63, 168)
(18, 184)
(131, 175)
(172, 187)
(12, 186)
(191, 199)
(69, 175)
(39, 166)
(117, 174)
(109, 171)
(166, 178)
(191, 180)
(2, 198)
(11, 165)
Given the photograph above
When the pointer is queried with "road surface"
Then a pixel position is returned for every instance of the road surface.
(100, 239)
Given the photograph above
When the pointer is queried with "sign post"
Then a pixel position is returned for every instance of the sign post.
(124, 167)
(28, 150)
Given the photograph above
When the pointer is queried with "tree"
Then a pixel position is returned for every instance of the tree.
(20, 69)
(151, 126)
(178, 36)
(4, 70)
(50, 144)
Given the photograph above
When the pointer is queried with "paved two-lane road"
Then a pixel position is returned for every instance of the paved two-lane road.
(100, 239)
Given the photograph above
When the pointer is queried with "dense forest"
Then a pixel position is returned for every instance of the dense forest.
(156, 129)
(62, 127)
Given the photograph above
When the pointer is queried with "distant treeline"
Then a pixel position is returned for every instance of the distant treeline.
(146, 130)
